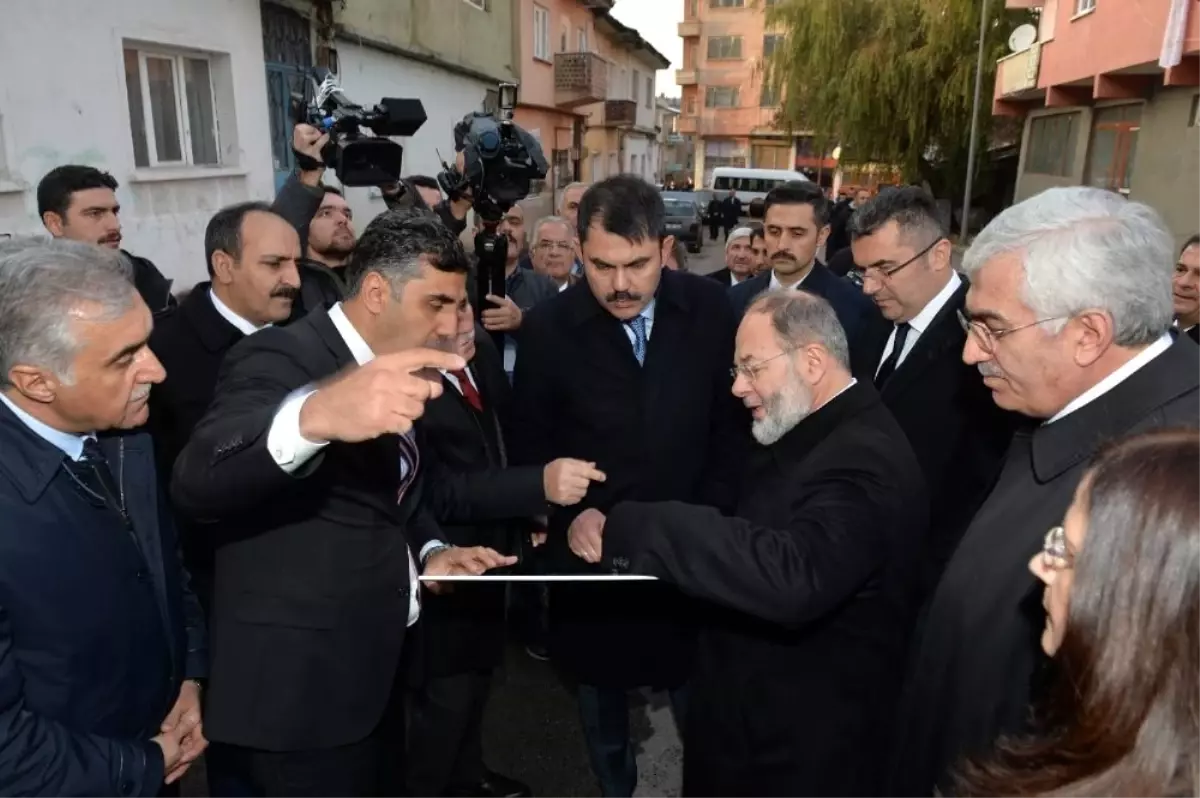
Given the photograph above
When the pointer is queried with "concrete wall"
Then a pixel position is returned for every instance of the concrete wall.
(71, 107)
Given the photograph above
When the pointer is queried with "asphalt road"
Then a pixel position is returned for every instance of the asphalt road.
(711, 257)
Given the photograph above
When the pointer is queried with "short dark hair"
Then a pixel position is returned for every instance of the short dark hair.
(395, 241)
(331, 190)
(757, 231)
(224, 231)
(800, 192)
(912, 208)
(624, 205)
(424, 181)
(1193, 241)
(55, 189)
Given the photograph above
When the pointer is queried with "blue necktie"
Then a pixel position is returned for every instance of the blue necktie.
(638, 325)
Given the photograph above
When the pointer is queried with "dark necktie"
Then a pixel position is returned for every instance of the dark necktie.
(889, 365)
(468, 390)
(94, 473)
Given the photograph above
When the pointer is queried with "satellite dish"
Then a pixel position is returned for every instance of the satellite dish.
(1022, 38)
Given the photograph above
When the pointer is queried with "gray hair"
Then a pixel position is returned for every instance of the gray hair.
(43, 284)
(545, 220)
(801, 319)
(572, 186)
(1084, 248)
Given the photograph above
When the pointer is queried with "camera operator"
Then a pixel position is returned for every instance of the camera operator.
(325, 221)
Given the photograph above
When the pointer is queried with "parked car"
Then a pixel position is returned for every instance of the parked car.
(683, 220)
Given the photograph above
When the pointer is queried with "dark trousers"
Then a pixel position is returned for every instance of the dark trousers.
(445, 733)
(369, 767)
(713, 227)
(729, 229)
(605, 715)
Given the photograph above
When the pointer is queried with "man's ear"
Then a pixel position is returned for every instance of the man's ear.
(54, 223)
(33, 382)
(1095, 333)
(222, 267)
(668, 248)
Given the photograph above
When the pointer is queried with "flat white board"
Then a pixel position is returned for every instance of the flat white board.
(542, 578)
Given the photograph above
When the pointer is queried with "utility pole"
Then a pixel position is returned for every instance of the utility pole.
(971, 147)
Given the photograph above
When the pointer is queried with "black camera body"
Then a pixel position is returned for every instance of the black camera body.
(356, 158)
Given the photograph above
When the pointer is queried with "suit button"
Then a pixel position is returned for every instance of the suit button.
(126, 787)
(143, 575)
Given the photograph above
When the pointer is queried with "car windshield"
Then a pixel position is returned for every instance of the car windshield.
(677, 207)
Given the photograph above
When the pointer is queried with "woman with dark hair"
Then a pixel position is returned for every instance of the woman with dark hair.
(1122, 601)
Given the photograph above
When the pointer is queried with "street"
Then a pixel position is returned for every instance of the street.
(711, 258)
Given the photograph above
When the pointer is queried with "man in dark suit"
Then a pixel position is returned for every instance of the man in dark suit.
(628, 370)
(1069, 312)
(810, 583)
(478, 500)
(731, 212)
(795, 223)
(305, 466)
(1186, 289)
(913, 355)
(251, 254)
(101, 640)
(739, 259)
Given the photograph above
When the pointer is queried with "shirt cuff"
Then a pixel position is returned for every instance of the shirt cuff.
(428, 548)
(289, 449)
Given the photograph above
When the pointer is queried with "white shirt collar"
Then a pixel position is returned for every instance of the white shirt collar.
(68, 443)
(1119, 376)
(775, 285)
(849, 385)
(922, 320)
(244, 327)
(354, 341)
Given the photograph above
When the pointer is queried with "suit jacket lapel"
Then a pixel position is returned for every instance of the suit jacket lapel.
(943, 333)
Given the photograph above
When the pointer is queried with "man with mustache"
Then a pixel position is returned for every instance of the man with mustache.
(80, 203)
(1186, 289)
(913, 356)
(102, 640)
(808, 586)
(629, 370)
(252, 254)
(554, 250)
(523, 288)
(1068, 318)
(795, 224)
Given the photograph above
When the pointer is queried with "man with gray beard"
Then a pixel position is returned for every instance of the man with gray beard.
(811, 583)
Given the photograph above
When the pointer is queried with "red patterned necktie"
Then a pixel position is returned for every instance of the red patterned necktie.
(468, 389)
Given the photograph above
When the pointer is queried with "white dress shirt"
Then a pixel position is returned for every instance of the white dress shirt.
(291, 451)
(243, 326)
(1135, 364)
(648, 314)
(920, 323)
(69, 443)
(775, 285)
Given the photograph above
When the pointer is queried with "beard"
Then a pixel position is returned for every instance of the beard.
(783, 411)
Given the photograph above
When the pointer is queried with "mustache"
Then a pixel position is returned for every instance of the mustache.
(989, 369)
(139, 393)
(778, 256)
(291, 292)
(623, 296)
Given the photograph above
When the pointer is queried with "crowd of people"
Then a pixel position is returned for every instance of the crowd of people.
(935, 530)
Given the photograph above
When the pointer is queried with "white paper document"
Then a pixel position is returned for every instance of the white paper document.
(542, 578)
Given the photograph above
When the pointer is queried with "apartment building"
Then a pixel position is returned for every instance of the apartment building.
(1109, 93)
(188, 102)
(675, 159)
(726, 106)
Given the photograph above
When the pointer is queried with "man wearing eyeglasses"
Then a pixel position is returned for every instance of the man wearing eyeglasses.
(1068, 315)
(554, 250)
(913, 355)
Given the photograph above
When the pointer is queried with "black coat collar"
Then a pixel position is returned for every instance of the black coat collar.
(215, 332)
(1060, 446)
(822, 422)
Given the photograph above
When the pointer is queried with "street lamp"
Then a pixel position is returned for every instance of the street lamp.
(971, 146)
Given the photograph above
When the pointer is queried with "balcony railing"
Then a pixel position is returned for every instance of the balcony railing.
(689, 28)
(686, 77)
(620, 112)
(1018, 72)
(579, 79)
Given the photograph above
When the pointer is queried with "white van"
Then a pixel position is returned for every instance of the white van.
(750, 184)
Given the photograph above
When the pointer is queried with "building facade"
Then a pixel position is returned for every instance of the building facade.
(726, 106)
(188, 103)
(675, 159)
(1109, 93)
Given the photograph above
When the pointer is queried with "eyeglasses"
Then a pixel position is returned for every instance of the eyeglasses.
(880, 272)
(550, 246)
(751, 370)
(1056, 555)
(986, 337)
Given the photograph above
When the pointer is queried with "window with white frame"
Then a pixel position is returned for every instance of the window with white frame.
(583, 40)
(541, 33)
(650, 92)
(634, 84)
(172, 110)
(482, 5)
(1084, 6)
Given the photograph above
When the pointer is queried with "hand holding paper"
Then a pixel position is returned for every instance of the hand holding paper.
(586, 535)
(463, 560)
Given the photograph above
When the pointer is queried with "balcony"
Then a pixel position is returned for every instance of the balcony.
(622, 113)
(689, 28)
(579, 79)
(686, 77)
(1018, 73)
(687, 125)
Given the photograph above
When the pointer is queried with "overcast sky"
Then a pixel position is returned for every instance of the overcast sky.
(657, 21)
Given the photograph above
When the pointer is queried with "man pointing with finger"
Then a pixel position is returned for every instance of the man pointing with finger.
(308, 472)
